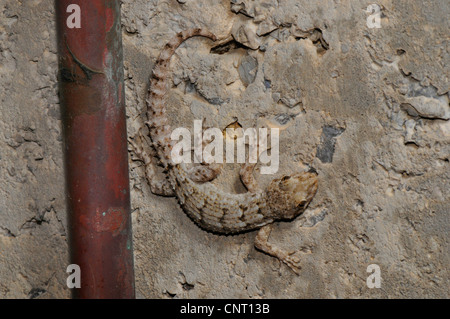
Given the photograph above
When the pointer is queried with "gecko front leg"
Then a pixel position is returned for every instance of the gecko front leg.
(206, 172)
(288, 258)
(262, 238)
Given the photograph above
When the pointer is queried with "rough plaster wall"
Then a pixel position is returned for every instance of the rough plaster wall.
(367, 108)
(33, 248)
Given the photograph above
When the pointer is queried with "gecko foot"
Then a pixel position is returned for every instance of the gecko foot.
(288, 258)
(292, 262)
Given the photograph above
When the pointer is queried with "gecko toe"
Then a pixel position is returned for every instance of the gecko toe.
(293, 262)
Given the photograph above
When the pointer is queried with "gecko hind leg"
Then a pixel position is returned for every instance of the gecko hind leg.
(158, 186)
(205, 172)
(247, 169)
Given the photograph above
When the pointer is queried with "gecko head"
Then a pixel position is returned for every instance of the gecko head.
(288, 196)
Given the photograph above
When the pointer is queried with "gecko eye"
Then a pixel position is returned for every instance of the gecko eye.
(301, 205)
(285, 178)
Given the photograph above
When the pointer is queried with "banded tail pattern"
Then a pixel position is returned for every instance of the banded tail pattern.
(157, 122)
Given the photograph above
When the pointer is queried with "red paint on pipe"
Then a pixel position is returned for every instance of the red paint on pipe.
(95, 147)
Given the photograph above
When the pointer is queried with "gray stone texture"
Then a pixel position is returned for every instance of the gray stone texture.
(367, 108)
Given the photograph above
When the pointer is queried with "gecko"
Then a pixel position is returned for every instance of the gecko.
(208, 206)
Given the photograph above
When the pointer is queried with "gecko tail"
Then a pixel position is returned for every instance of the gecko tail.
(159, 80)
(159, 84)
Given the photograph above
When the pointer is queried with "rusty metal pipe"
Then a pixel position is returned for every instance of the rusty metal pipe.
(95, 146)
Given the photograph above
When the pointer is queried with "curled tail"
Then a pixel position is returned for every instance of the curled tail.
(159, 83)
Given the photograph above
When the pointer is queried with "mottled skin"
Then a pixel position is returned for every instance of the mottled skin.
(212, 209)
(226, 213)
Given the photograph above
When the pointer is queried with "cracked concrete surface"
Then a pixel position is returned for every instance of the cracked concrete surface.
(368, 109)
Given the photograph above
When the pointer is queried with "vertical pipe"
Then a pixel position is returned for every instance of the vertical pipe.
(95, 146)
